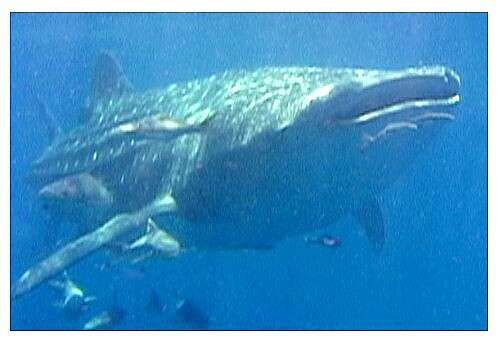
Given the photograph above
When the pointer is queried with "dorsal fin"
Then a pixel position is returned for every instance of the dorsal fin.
(108, 81)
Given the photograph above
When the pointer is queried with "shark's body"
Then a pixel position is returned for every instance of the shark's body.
(285, 151)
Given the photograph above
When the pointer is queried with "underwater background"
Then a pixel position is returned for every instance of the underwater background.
(432, 273)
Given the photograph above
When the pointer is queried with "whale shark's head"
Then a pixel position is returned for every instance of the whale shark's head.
(366, 95)
(375, 98)
(317, 135)
(369, 124)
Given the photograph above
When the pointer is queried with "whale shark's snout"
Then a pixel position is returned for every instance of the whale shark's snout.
(371, 95)
(362, 96)
(413, 89)
(381, 103)
(369, 125)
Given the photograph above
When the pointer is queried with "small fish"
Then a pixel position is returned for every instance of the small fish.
(74, 300)
(189, 313)
(106, 319)
(324, 240)
(157, 239)
(390, 128)
(82, 188)
(160, 126)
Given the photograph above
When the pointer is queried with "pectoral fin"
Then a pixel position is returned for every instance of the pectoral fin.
(370, 218)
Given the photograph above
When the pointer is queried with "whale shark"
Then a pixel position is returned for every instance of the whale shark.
(245, 158)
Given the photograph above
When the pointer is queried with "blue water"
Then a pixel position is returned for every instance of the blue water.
(432, 272)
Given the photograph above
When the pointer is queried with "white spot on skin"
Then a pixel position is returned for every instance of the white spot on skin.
(276, 105)
(194, 107)
(204, 94)
(319, 93)
(94, 156)
(235, 88)
(265, 98)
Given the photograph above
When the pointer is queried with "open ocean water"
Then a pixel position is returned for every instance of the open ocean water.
(432, 271)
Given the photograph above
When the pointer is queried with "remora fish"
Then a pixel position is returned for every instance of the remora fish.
(157, 239)
(283, 145)
(74, 300)
(160, 126)
(82, 188)
(80, 198)
(107, 319)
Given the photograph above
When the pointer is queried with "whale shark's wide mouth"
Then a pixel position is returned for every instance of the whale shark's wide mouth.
(415, 92)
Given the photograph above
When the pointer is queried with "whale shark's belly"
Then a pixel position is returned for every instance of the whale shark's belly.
(257, 195)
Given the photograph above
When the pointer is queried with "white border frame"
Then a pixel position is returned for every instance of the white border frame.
(491, 7)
